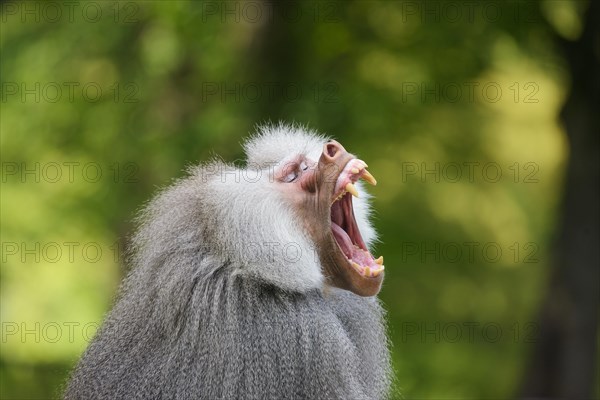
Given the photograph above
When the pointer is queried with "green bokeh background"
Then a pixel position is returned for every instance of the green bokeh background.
(410, 87)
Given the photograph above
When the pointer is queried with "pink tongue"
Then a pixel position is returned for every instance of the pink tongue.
(343, 239)
(352, 252)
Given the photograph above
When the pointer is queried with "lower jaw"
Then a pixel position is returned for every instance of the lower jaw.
(360, 259)
(355, 282)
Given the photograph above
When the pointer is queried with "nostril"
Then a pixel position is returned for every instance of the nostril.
(331, 149)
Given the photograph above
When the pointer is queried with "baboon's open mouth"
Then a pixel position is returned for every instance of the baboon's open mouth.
(343, 224)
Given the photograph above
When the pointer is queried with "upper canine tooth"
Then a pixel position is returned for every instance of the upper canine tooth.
(350, 188)
(369, 178)
(379, 260)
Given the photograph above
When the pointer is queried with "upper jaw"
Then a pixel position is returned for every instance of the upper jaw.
(350, 174)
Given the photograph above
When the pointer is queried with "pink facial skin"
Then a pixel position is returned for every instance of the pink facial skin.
(322, 192)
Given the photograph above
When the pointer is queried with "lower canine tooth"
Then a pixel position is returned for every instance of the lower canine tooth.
(350, 188)
(379, 260)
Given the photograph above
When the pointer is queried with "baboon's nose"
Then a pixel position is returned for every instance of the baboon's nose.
(332, 151)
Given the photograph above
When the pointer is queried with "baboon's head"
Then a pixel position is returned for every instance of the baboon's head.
(319, 181)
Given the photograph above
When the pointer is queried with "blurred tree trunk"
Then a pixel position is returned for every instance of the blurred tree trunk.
(563, 363)
(278, 55)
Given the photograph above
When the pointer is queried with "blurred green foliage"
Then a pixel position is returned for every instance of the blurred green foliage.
(117, 98)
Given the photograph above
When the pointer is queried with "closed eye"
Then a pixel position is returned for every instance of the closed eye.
(291, 177)
(293, 170)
